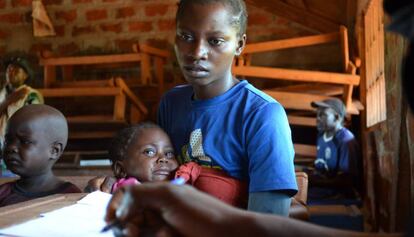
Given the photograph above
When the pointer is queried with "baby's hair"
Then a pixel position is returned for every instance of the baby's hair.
(120, 143)
(237, 7)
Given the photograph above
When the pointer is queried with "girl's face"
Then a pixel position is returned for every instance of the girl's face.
(150, 157)
(206, 43)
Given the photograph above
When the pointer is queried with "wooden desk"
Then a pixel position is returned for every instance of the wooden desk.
(24, 211)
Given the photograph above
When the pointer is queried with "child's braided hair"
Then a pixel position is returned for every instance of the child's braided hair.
(122, 140)
(237, 7)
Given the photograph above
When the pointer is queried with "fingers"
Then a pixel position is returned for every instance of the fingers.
(113, 205)
(107, 184)
(94, 184)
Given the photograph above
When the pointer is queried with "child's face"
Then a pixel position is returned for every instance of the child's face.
(27, 147)
(16, 75)
(326, 119)
(206, 43)
(151, 157)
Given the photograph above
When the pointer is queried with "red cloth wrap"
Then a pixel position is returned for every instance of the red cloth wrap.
(215, 182)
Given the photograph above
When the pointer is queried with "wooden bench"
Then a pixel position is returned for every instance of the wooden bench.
(318, 85)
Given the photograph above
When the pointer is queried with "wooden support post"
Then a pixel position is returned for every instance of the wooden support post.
(145, 69)
(119, 106)
(50, 76)
(67, 72)
(159, 74)
(344, 47)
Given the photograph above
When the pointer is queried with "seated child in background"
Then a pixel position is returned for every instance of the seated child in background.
(336, 170)
(36, 136)
(142, 153)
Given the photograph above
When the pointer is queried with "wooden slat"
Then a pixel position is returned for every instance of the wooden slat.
(314, 88)
(73, 92)
(131, 96)
(344, 46)
(88, 60)
(91, 134)
(153, 51)
(298, 101)
(297, 75)
(93, 119)
(305, 150)
(83, 83)
(291, 43)
(300, 120)
(120, 107)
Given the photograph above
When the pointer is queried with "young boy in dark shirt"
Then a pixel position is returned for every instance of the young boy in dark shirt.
(337, 163)
(36, 136)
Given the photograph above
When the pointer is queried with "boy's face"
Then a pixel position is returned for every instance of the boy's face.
(326, 119)
(27, 148)
(150, 157)
(206, 43)
(16, 75)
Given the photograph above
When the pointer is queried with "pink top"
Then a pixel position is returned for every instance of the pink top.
(124, 182)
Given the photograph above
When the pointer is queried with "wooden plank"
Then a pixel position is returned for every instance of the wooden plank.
(297, 75)
(344, 46)
(298, 15)
(88, 60)
(131, 96)
(301, 120)
(291, 43)
(67, 73)
(91, 134)
(120, 107)
(24, 211)
(298, 101)
(313, 88)
(93, 119)
(88, 83)
(159, 74)
(50, 76)
(305, 150)
(153, 51)
(74, 92)
(146, 69)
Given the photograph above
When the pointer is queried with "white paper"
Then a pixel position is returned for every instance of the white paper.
(85, 218)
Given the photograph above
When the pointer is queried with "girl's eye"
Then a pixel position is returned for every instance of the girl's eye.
(26, 142)
(186, 37)
(149, 152)
(170, 155)
(216, 42)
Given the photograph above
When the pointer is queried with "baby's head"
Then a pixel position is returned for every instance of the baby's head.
(330, 114)
(36, 136)
(143, 151)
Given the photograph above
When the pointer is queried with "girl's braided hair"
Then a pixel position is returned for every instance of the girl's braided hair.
(237, 7)
(123, 138)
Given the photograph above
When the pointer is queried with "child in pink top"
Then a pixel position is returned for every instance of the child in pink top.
(142, 153)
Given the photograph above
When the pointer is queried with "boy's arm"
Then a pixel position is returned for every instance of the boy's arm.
(101, 183)
(272, 202)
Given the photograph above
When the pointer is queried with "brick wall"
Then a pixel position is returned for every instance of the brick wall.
(113, 25)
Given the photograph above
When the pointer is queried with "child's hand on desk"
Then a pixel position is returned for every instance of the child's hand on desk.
(101, 183)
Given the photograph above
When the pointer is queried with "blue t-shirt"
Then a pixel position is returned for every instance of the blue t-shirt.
(243, 131)
(338, 153)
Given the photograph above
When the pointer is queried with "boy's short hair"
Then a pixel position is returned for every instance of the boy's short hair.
(336, 104)
(123, 138)
(237, 7)
(22, 63)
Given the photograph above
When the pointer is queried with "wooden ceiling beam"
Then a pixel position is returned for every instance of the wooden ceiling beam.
(295, 14)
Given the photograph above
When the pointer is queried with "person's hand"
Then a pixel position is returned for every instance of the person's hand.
(163, 209)
(101, 183)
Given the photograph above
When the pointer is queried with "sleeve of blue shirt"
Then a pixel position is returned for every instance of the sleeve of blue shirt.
(271, 202)
(270, 151)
